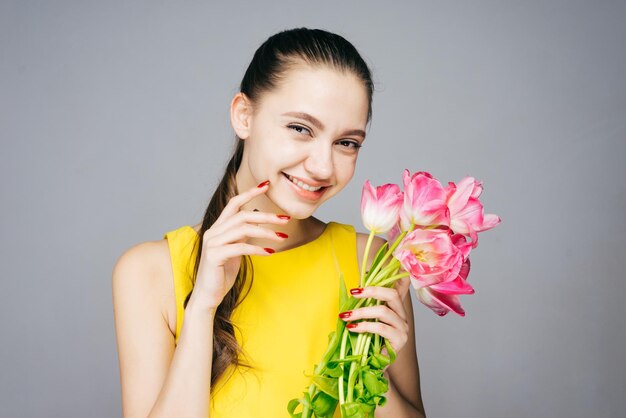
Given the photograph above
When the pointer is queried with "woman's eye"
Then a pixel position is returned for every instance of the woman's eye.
(298, 128)
(350, 144)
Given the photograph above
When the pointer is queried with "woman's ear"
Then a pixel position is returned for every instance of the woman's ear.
(241, 115)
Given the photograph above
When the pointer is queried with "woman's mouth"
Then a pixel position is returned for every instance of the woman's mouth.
(305, 190)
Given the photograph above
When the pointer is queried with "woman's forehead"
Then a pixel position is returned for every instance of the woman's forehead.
(330, 96)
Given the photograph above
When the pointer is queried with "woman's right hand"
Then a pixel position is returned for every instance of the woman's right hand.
(225, 242)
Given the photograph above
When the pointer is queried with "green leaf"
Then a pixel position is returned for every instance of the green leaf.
(392, 354)
(324, 405)
(327, 385)
(306, 400)
(379, 361)
(333, 369)
(368, 408)
(358, 388)
(352, 410)
(341, 326)
(352, 338)
(291, 406)
(374, 384)
(343, 292)
(374, 362)
(379, 255)
(346, 359)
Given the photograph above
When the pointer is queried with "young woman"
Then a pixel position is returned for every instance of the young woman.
(257, 281)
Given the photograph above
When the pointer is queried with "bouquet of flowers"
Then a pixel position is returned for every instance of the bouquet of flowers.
(428, 227)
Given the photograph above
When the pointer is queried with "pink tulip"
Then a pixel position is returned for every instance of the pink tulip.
(424, 201)
(380, 206)
(394, 232)
(431, 257)
(466, 210)
(443, 298)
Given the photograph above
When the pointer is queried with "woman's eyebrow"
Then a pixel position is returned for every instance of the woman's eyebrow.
(319, 125)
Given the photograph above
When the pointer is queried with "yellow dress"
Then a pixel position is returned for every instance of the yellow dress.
(283, 323)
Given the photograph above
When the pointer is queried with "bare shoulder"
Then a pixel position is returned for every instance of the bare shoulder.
(145, 340)
(143, 272)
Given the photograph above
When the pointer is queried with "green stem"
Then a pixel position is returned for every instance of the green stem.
(366, 348)
(372, 280)
(379, 276)
(364, 262)
(361, 343)
(390, 251)
(342, 355)
(351, 379)
(392, 279)
(367, 341)
(377, 344)
(351, 374)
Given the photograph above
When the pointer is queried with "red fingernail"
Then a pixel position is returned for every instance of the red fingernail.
(356, 290)
(345, 314)
(352, 325)
(282, 235)
(284, 216)
(269, 250)
(265, 183)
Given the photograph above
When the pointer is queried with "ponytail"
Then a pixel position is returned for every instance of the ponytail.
(226, 350)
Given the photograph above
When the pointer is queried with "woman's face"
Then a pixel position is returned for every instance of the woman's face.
(304, 138)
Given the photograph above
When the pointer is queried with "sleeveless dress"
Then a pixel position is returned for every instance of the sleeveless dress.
(282, 324)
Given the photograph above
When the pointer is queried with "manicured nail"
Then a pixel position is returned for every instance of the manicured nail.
(282, 235)
(269, 250)
(352, 325)
(356, 291)
(265, 183)
(284, 216)
(346, 314)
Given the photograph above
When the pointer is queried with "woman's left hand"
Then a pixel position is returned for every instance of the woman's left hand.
(392, 317)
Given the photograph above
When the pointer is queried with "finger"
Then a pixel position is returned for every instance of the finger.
(242, 233)
(396, 338)
(218, 256)
(402, 286)
(242, 218)
(381, 312)
(389, 295)
(257, 217)
(234, 203)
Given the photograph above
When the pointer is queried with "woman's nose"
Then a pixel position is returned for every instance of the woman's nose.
(319, 163)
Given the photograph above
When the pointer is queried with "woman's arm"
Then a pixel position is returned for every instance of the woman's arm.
(404, 398)
(157, 378)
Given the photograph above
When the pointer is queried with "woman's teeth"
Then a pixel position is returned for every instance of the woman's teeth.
(303, 185)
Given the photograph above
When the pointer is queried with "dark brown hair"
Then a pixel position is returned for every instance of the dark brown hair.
(270, 64)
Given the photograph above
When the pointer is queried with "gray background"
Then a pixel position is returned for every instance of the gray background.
(114, 129)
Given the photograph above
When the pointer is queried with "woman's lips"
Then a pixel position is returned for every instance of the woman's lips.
(306, 194)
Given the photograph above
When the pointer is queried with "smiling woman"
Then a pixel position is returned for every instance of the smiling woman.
(211, 320)
(317, 154)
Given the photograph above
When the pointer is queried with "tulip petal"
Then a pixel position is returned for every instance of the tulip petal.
(490, 221)
(462, 193)
(439, 302)
(424, 200)
(457, 286)
(424, 296)
(380, 206)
